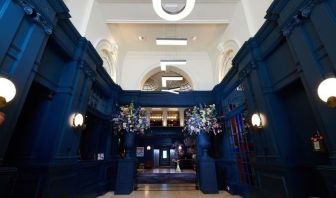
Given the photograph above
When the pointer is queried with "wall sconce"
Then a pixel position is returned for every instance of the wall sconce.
(149, 148)
(256, 120)
(7, 91)
(77, 120)
(327, 91)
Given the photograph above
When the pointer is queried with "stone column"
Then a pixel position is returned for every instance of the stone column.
(164, 116)
(181, 112)
(148, 112)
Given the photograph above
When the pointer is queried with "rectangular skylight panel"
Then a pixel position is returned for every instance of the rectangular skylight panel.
(171, 41)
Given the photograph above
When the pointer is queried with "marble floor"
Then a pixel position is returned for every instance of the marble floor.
(169, 190)
(165, 170)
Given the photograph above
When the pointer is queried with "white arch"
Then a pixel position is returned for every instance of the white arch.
(109, 54)
(155, 69)
(227, 51)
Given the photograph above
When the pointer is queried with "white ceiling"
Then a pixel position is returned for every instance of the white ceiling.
(141, 11)
(164, 1)
(215, 24)
(205, 36)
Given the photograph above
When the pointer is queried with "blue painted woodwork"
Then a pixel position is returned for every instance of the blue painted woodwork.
(280, 69)
(206, 167)
(57, 72)
(207, 179)
(125, 177)
(160, 99)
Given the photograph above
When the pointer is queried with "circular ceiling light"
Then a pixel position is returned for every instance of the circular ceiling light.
(173, 16)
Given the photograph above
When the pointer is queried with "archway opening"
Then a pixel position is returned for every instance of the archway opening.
(173, 79)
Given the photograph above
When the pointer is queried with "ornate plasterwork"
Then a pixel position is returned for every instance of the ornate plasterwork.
(303, 14)
(109, 55)
(36, 16)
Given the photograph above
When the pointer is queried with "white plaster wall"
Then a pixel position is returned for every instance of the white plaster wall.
(80, 11)
(237, 32)
(97, 29)
(255, 11)
(238, 29)
(137, 64)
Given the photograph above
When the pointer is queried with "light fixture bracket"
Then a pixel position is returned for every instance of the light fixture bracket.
(3, 102)
(331, 102)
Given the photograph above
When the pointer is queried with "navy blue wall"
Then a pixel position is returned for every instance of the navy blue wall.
(280, 69)
(57, 73)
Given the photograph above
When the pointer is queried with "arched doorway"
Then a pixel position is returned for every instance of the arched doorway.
(152, 81)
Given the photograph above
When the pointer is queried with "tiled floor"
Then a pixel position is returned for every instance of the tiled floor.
(169, 190)
(166, 170)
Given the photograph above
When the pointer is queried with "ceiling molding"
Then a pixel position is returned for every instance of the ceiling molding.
(168, 1)
(117, 21)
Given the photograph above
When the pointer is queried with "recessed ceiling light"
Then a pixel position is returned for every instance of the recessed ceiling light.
(171, 41)
(165, 63)
(170, 78)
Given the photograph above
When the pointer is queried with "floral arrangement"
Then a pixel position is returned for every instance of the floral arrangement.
(317, 141)
(316, 137)
(202, 118)
(131, 119)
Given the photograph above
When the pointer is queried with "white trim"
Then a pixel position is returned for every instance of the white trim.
(151, 21)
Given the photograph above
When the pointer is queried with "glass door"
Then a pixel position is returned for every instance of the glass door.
(164, 157)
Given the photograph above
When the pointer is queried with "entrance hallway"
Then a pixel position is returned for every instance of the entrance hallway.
(169, 191)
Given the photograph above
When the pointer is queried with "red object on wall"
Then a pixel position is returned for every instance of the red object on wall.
(149, 164)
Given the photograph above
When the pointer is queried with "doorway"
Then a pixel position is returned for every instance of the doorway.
(164, 157)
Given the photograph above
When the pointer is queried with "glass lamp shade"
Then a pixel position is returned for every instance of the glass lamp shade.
(327, 91)
(78, 120)
(149, 148)
(256, 120)
(7, 91)
(175, 16)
